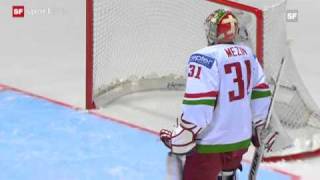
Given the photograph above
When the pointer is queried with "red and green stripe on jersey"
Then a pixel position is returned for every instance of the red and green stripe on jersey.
(205, 98)
(260, 91)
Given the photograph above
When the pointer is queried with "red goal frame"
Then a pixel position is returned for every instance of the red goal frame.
(89, 55)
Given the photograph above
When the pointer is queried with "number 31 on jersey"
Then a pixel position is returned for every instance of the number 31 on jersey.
(231, 68)
(194, 71)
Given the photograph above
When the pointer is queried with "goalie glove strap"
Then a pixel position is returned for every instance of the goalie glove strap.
(165, 137)
(189, 126)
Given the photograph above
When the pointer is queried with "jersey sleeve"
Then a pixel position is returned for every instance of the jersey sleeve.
(202, 89)
(261, 94)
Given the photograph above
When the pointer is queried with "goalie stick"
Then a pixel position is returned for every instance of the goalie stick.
(258, 153)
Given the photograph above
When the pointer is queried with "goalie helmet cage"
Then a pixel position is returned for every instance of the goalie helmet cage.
(143, 45)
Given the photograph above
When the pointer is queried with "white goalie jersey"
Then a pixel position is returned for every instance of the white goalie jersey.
(226, 91)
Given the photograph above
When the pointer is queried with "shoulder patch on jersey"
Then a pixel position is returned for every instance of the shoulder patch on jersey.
(202, 59)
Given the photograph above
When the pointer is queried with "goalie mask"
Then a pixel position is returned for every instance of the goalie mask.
(221, 27)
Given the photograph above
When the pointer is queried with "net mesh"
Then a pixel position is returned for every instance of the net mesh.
(144, 45)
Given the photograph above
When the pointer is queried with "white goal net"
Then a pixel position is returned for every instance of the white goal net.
(144, 45)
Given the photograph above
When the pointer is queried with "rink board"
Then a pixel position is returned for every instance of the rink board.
(45, 139)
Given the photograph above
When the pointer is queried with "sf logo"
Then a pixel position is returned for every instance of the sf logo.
(17, 11)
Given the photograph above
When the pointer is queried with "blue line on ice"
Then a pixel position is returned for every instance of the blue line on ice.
(43, 140)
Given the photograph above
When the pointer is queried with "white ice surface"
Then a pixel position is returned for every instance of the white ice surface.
(45, 54)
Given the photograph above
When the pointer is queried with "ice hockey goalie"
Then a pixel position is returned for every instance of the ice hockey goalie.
(226, 99)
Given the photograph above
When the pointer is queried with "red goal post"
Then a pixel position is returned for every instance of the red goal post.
(89, 55)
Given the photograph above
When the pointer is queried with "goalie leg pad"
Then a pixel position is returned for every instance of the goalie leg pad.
(175, 164)
(228, 175)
